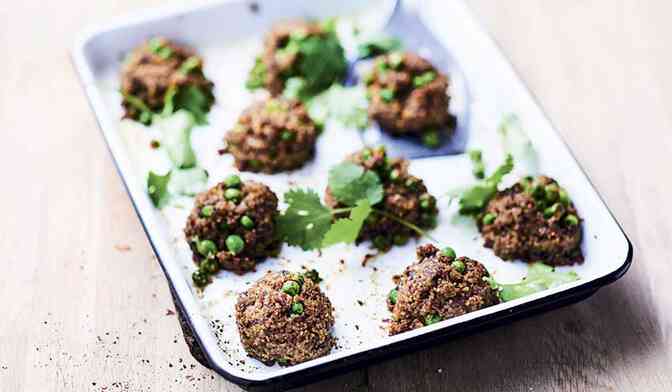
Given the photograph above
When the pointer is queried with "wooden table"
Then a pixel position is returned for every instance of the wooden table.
(86, 307)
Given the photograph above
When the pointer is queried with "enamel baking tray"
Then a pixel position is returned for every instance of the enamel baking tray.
(225, 33)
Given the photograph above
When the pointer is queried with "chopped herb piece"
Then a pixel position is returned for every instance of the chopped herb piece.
(474, 199)
(393, 296)
(313, 275)
(431, 139)
(424, 79)
(539, 277)
(478, 169)
(346, 230)
(387, 94)
(146, 113)
(257, 76)
(189, 65)
(572, 220)
(432, 319)
(378, 45)
(157, 188)
(395, 60)
(350, 183)
(305, 222)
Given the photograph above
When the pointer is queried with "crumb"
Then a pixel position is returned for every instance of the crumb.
(122, 247)
(170, 312)
(154, 144)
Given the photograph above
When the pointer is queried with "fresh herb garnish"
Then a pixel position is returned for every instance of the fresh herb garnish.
(478, 168)
(158, 47)
(146, 113)
(347, 105)
(474, 199)
(424, 79)
(308, 223)
(176, 131)
(305, 222)
(377, 45)
(257, 76)
(191, 98)
(539, 277)
(157, 188)
(349, 183)
(189, 65)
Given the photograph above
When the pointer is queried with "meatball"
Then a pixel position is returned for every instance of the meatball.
(285, 318)
(408, 95)
(272, 136)
(534, 220)
(156, 67)
(232, 227)
(437, 287)
(405, 199)
(299, 49)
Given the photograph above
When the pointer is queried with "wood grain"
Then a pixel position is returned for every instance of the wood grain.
(85, 306)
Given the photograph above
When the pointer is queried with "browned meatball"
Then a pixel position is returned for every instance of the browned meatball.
(408, 94)
(307, 50)
(405, 197)
(153, 68)
(438, 287)
(232, 226)
(272, 136)
(534, 220)
(285, 318)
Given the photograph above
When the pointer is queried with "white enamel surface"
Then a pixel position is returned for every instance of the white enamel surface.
(228, 37)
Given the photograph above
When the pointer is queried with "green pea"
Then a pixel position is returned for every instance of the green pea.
(563, 196)
(400, 239)
(366, 154)
(394, 174)
(287, 135)
(550, 211)
(427, 202)
(207, 211)
(291, 287)
(381, 243)
(297, 308)
(232, 194)
(572, 220)
(489, 218)
(387, 94)
(392, 297)
(551, 192)
(431, 139)
(206, 247)
(200, 278)
(235, 244)
(448, 252)
(432, 319)
(232, 181)
(458, 265)
(247, 222)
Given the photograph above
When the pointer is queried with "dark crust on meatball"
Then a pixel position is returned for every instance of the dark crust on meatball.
(431, 286)
(271, 333)
(257, 142)
(413, 110)
(278, 66)
(520, 230)
(147, 76)
(402, 198)
(257, 202)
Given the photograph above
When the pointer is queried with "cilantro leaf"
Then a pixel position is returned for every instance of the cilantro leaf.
(539, 277)
(157, 188)
(346, 230)
(474, 199)
(176, 131)
(194, 99)
(188, 182)
(347, 105)
(295, 88)
(305, 221)
(377, 45)
(517, 143)
(257, 76)
(350, 183)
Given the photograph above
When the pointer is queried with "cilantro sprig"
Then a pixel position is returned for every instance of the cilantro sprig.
(474, 199)
(309, 224)
(539, 277)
